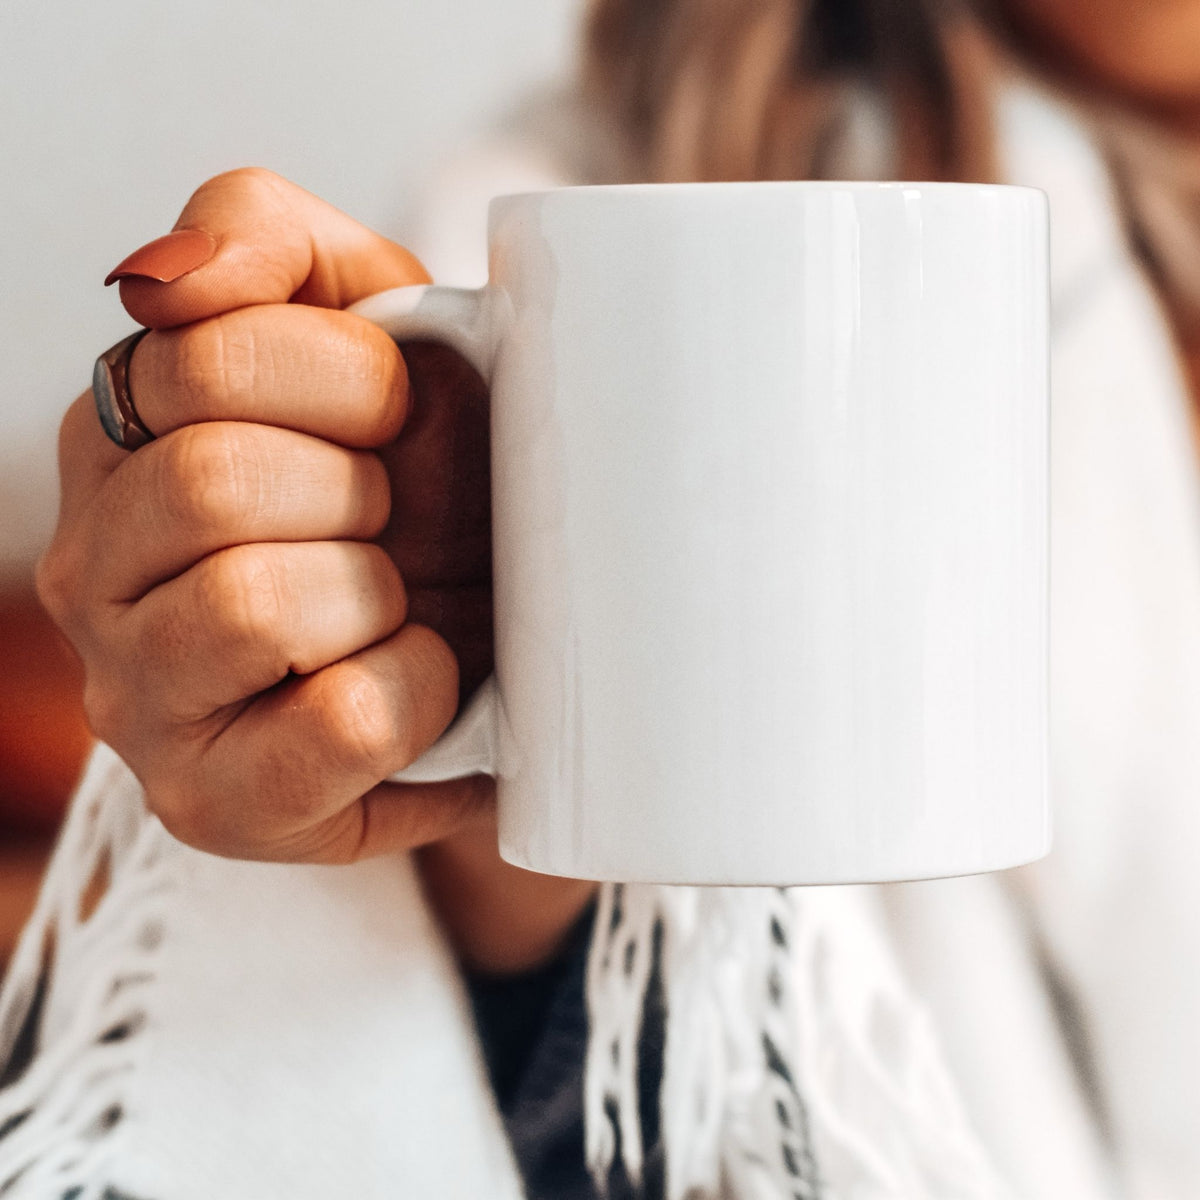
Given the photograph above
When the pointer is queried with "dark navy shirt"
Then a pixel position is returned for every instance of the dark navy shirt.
(534, 1033)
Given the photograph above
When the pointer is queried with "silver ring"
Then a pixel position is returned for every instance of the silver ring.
(114, 404)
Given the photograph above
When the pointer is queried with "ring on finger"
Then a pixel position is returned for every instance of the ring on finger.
(114, 402)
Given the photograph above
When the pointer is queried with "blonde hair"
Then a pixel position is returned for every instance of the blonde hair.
(786, 72)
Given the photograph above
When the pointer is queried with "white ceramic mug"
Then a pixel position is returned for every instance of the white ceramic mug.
(769, 470)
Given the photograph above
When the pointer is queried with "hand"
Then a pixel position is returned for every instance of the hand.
(276, 600)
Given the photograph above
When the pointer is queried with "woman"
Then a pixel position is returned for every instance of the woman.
(262, 670)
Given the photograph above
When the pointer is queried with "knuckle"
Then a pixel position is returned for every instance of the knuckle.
(255, 186)
(358, 726)
(210, 478)
(255, 181)
(61, 584)
(243, 592)
(181, 809)
(105, 709)
(54, 582)
(209, 364)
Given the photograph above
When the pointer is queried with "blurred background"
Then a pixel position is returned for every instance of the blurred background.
(110, 116)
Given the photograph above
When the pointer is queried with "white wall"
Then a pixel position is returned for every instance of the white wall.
(111, 113)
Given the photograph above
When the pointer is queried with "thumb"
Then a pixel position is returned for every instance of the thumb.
(268, 242)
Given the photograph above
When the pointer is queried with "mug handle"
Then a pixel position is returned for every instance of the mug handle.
(461, 318)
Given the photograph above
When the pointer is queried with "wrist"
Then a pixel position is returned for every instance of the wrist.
(498, 918)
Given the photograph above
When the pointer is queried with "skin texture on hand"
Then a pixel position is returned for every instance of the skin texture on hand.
(280, 601)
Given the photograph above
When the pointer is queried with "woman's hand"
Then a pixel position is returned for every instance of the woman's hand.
(274, 598)
(280, 601)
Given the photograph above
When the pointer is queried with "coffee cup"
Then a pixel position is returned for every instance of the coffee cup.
(770, 511)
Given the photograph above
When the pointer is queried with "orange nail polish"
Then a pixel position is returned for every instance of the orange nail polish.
(167, 258)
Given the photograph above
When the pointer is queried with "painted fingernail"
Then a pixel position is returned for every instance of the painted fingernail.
(167, 258)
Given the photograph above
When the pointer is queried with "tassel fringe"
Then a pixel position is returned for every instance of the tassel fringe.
(797, 1066)
(85, 979)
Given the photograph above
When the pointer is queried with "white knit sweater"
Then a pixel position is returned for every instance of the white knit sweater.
(251, 1031)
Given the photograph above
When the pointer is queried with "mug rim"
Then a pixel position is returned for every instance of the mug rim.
(666, 190)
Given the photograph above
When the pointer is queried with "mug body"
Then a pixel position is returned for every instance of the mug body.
(770, 526)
